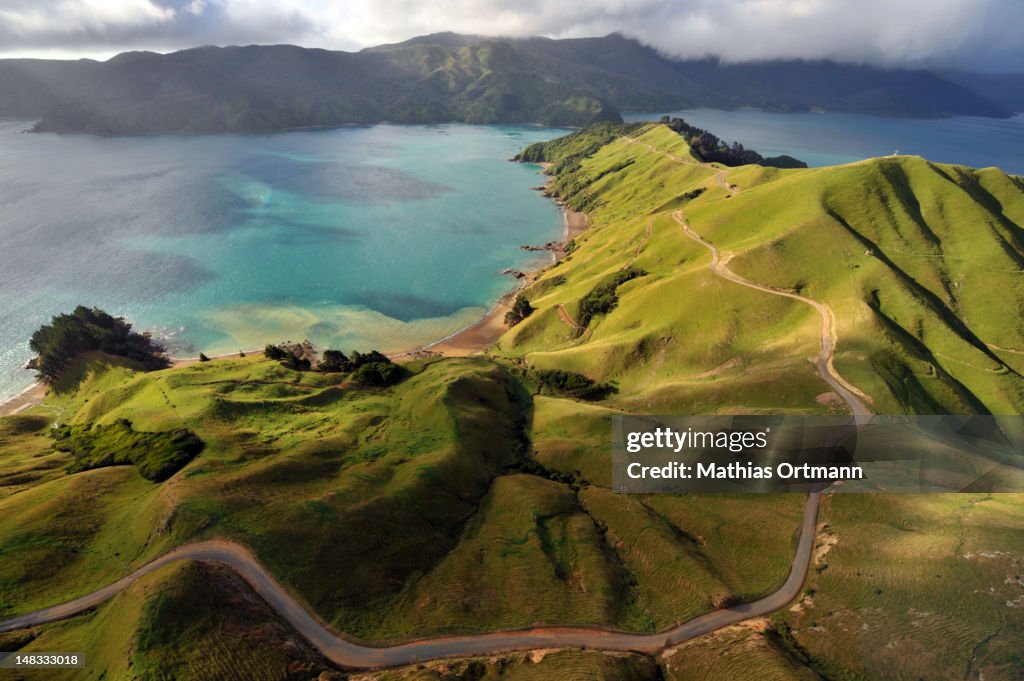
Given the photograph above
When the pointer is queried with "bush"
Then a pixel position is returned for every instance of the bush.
(378, 374)
(520, 310)
(85, 330)
(273, 352)
(571, 384)
(334, 361)
(371, 357)
(293, 361)
(604, 297)
(158, 456)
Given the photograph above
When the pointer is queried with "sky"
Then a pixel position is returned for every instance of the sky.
(973, 34)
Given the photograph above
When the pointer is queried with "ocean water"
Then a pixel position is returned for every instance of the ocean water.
(833, 138)
(385, 237)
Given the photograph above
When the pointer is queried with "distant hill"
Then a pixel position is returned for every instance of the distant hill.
(440, 78)
(1005, 89)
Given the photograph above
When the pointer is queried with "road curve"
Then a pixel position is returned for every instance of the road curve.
(853, 397)
(346, 653)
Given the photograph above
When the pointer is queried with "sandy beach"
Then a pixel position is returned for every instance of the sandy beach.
(26, 399)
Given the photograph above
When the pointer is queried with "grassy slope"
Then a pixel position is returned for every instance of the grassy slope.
(379, 508)
(320, 480)
(921, 263)
(911, 256)
(928, 583)
(187, 621)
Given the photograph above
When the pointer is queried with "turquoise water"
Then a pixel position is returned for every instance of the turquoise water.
(832, 138)
(384, 237)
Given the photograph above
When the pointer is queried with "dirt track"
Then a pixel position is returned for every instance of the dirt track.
(347, 653)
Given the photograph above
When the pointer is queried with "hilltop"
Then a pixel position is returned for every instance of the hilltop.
(442, 78)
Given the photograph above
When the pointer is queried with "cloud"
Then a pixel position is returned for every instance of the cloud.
(976, 33)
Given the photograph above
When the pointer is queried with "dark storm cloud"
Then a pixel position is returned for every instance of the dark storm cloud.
(979, 33)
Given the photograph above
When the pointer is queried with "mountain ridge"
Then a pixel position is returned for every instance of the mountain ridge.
(445, 77)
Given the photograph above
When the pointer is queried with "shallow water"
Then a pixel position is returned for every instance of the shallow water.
(383, 237)
(832, 138)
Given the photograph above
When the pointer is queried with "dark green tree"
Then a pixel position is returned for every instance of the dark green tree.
(378, 374)
(520, 310)
(273, 352)
(87, 330)
(371, 357)
(334, 361)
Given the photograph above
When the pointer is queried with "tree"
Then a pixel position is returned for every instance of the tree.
(86, 330)
(293, 361)
(378, 374)
(571, 384)
(520, 310)
(334, 361)
(273, 352)
(371, 357)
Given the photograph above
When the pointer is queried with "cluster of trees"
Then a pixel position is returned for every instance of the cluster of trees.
(157, 455)
(603, 298)
(287, 357)
(711, 149)
(520, 310)
(371, 368)
(85, 330)
(571, 384)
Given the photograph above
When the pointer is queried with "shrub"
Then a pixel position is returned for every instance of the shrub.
(520, 310)
(158, 455)
(603, 298)
(293, 361)
(273, 352)
(371, 357)
(378, 374)
(334, 361)
(571, 384)
(712, 149)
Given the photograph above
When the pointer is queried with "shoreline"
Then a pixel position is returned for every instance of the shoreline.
(468, 340)
(484, 332)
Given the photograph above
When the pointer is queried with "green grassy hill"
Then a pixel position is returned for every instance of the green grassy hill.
(388, 511)
(921, 263)
(464, 499)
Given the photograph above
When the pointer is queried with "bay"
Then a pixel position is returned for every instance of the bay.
(385, 237)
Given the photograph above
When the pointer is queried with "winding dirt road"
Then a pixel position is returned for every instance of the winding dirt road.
(854, 398)
(350, 654)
